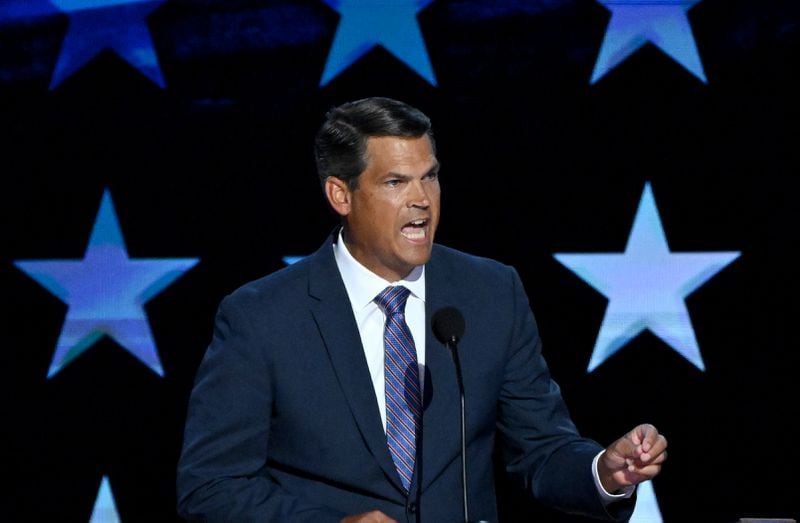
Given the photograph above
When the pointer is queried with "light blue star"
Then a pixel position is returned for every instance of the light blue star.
(97, 25)
(105, 510)
(367, 23)
(646, 286)
(635, 22)
(646, 510)
(291, 260)
(106, 292)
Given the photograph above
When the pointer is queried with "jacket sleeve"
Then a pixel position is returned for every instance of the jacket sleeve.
(221, 470)
(540, 446)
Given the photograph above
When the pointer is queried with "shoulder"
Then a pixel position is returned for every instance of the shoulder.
(469, 264)
(457, 273)
(283, 287)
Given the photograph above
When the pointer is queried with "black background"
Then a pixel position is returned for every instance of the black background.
(535, 161)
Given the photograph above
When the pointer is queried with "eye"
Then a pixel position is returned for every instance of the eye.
(432, 175)
(394, 182)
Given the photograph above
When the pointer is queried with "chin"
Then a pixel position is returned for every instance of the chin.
(421, 259)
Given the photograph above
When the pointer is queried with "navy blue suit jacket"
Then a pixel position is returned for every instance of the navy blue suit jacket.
(283, 424)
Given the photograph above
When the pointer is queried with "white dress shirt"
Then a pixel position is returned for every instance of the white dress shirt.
(362, 287)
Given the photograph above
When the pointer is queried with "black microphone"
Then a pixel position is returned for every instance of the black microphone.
(448, 327)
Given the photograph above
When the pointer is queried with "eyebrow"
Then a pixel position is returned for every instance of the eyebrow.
(433, 170)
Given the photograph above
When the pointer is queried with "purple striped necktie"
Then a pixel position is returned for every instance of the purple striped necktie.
(402, 383)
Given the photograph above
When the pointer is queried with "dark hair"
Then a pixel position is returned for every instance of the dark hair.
(340, 147)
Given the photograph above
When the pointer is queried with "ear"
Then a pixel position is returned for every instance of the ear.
(338, 194)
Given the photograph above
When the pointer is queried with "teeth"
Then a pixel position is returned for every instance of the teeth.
(414, 234)
(415, 230)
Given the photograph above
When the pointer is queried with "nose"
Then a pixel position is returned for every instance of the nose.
(418, 196)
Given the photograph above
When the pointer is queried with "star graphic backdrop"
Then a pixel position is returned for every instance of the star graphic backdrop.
(646, 286)
(105, 510)
(97, 25)
(106, 293)
(365, 24)
(646, 143)
(662, 23)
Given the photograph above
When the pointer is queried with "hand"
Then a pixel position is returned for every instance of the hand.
(376, 516)
(632, 459)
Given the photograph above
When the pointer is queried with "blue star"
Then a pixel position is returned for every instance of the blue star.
(106, 293)
(97, 25)
(22, 10)
(367, 23)
(635, 22)
(105, 510)
(646, 286)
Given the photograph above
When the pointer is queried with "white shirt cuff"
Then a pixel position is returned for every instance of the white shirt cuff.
(607, 498)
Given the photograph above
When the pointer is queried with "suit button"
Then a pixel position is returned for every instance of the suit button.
(412, 508)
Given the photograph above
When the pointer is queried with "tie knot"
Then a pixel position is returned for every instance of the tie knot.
(393, 299)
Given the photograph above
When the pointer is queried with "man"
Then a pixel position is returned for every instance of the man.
(324, 396)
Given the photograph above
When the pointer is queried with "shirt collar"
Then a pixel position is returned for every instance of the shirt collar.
(363, 285)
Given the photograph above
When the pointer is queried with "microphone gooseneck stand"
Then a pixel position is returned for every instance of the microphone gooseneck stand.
(448, 326)
(452, 344)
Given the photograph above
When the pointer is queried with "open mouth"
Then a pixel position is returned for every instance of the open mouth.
(415, 230)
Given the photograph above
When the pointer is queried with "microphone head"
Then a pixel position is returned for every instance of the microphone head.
(448, 325)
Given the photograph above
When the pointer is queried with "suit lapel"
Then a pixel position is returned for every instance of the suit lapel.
(333, 315)
(440, 421)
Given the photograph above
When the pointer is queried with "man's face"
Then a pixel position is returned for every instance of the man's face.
(391, 217)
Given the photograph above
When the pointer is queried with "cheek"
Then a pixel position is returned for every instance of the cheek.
(381, 221)
(434, 196)
(386, 213)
